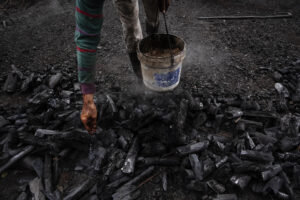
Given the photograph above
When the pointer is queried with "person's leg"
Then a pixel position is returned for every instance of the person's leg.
(152, 14)
(87, 36)
(129, 16)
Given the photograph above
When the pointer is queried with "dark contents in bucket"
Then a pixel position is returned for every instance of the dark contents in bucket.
(158, 46)
(162, 52)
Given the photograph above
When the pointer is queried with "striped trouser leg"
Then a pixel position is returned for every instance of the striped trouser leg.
(87, 35)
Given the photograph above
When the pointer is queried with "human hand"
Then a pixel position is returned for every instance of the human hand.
(89, 113)
(163, 5)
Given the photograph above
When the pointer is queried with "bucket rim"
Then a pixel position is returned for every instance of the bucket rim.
(154, 57)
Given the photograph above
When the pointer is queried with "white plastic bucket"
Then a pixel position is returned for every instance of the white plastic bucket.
(158, 72)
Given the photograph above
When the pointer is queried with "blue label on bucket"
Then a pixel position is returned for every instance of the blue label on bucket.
(168, 79)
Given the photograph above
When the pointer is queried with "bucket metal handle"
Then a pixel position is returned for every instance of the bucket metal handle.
(169, 40)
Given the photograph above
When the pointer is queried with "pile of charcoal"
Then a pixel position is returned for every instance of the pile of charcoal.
(218, 148)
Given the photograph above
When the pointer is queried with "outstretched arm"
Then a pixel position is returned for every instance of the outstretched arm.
(87, 36)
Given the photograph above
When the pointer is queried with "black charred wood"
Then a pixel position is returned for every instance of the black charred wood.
(34, 163)
(78, 190)
(215, 186)
(192, 148)
(288, 143)
(262, 138)
(257, 156)
(16, 158)
(271, 172)
(182, 114)
(241, 181)
(197, 186)
(225, 197)
(197, 166)
(48, 173)
(221, 161)
(129, 164)
(170, 161)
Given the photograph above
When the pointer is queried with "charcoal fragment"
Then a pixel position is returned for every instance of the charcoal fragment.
(257, 156)
(288, 143)
(240, 180)
(164, 181)
(197, 166)
(271, 172)
(78, 190)
(182, 114)
(215, 186)
(225, 197)
(129, 163)
(273, 185)
(3, 121)
(192, 148)
(221, 161)
(36, 189)
(198, 186)
(10, 84)
(296, 175)
(54, 80)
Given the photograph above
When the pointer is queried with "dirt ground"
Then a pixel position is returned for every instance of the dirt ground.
(224, 57)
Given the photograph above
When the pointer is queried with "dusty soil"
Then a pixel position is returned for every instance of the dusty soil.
(223, 57)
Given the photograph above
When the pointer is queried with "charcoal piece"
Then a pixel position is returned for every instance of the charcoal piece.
(282, 90)
(296, 175)
(208, 167)
(98, 156)
(188, 174)
(225, 197)
(240, 180)
(153, 149)
(283, 196)
(44, 132)
(112, 104)
(115, 184)
(221, 161)
(258, 186)
(123, 142)
(197, 166)
(36, 188)
(127, 192)
(273, 185)
(288, 143)
(27, 82)
(249, 142)
(54, 80)
(66, 93)
(250, 124)
(169, 117)
(221, 147)
(192, 148)
(16, 158)
(232, 113)
(247, 166)
(199, 120)
(3, 121)
(22, 196)
(129, 163)
(198, 186)
(108, 137)
(262, 138)
(160, 161)
(294, 125)
(215, 186)
(164, 181)
(34, 163)
(10, 83)
(277, 76)
(17, 116)
(48, 174)
(234, 158)
(271, 172)
(78, 190)
(20, 122)
(287, 184)
(137, 179)
(182, 114)
(257, 156)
